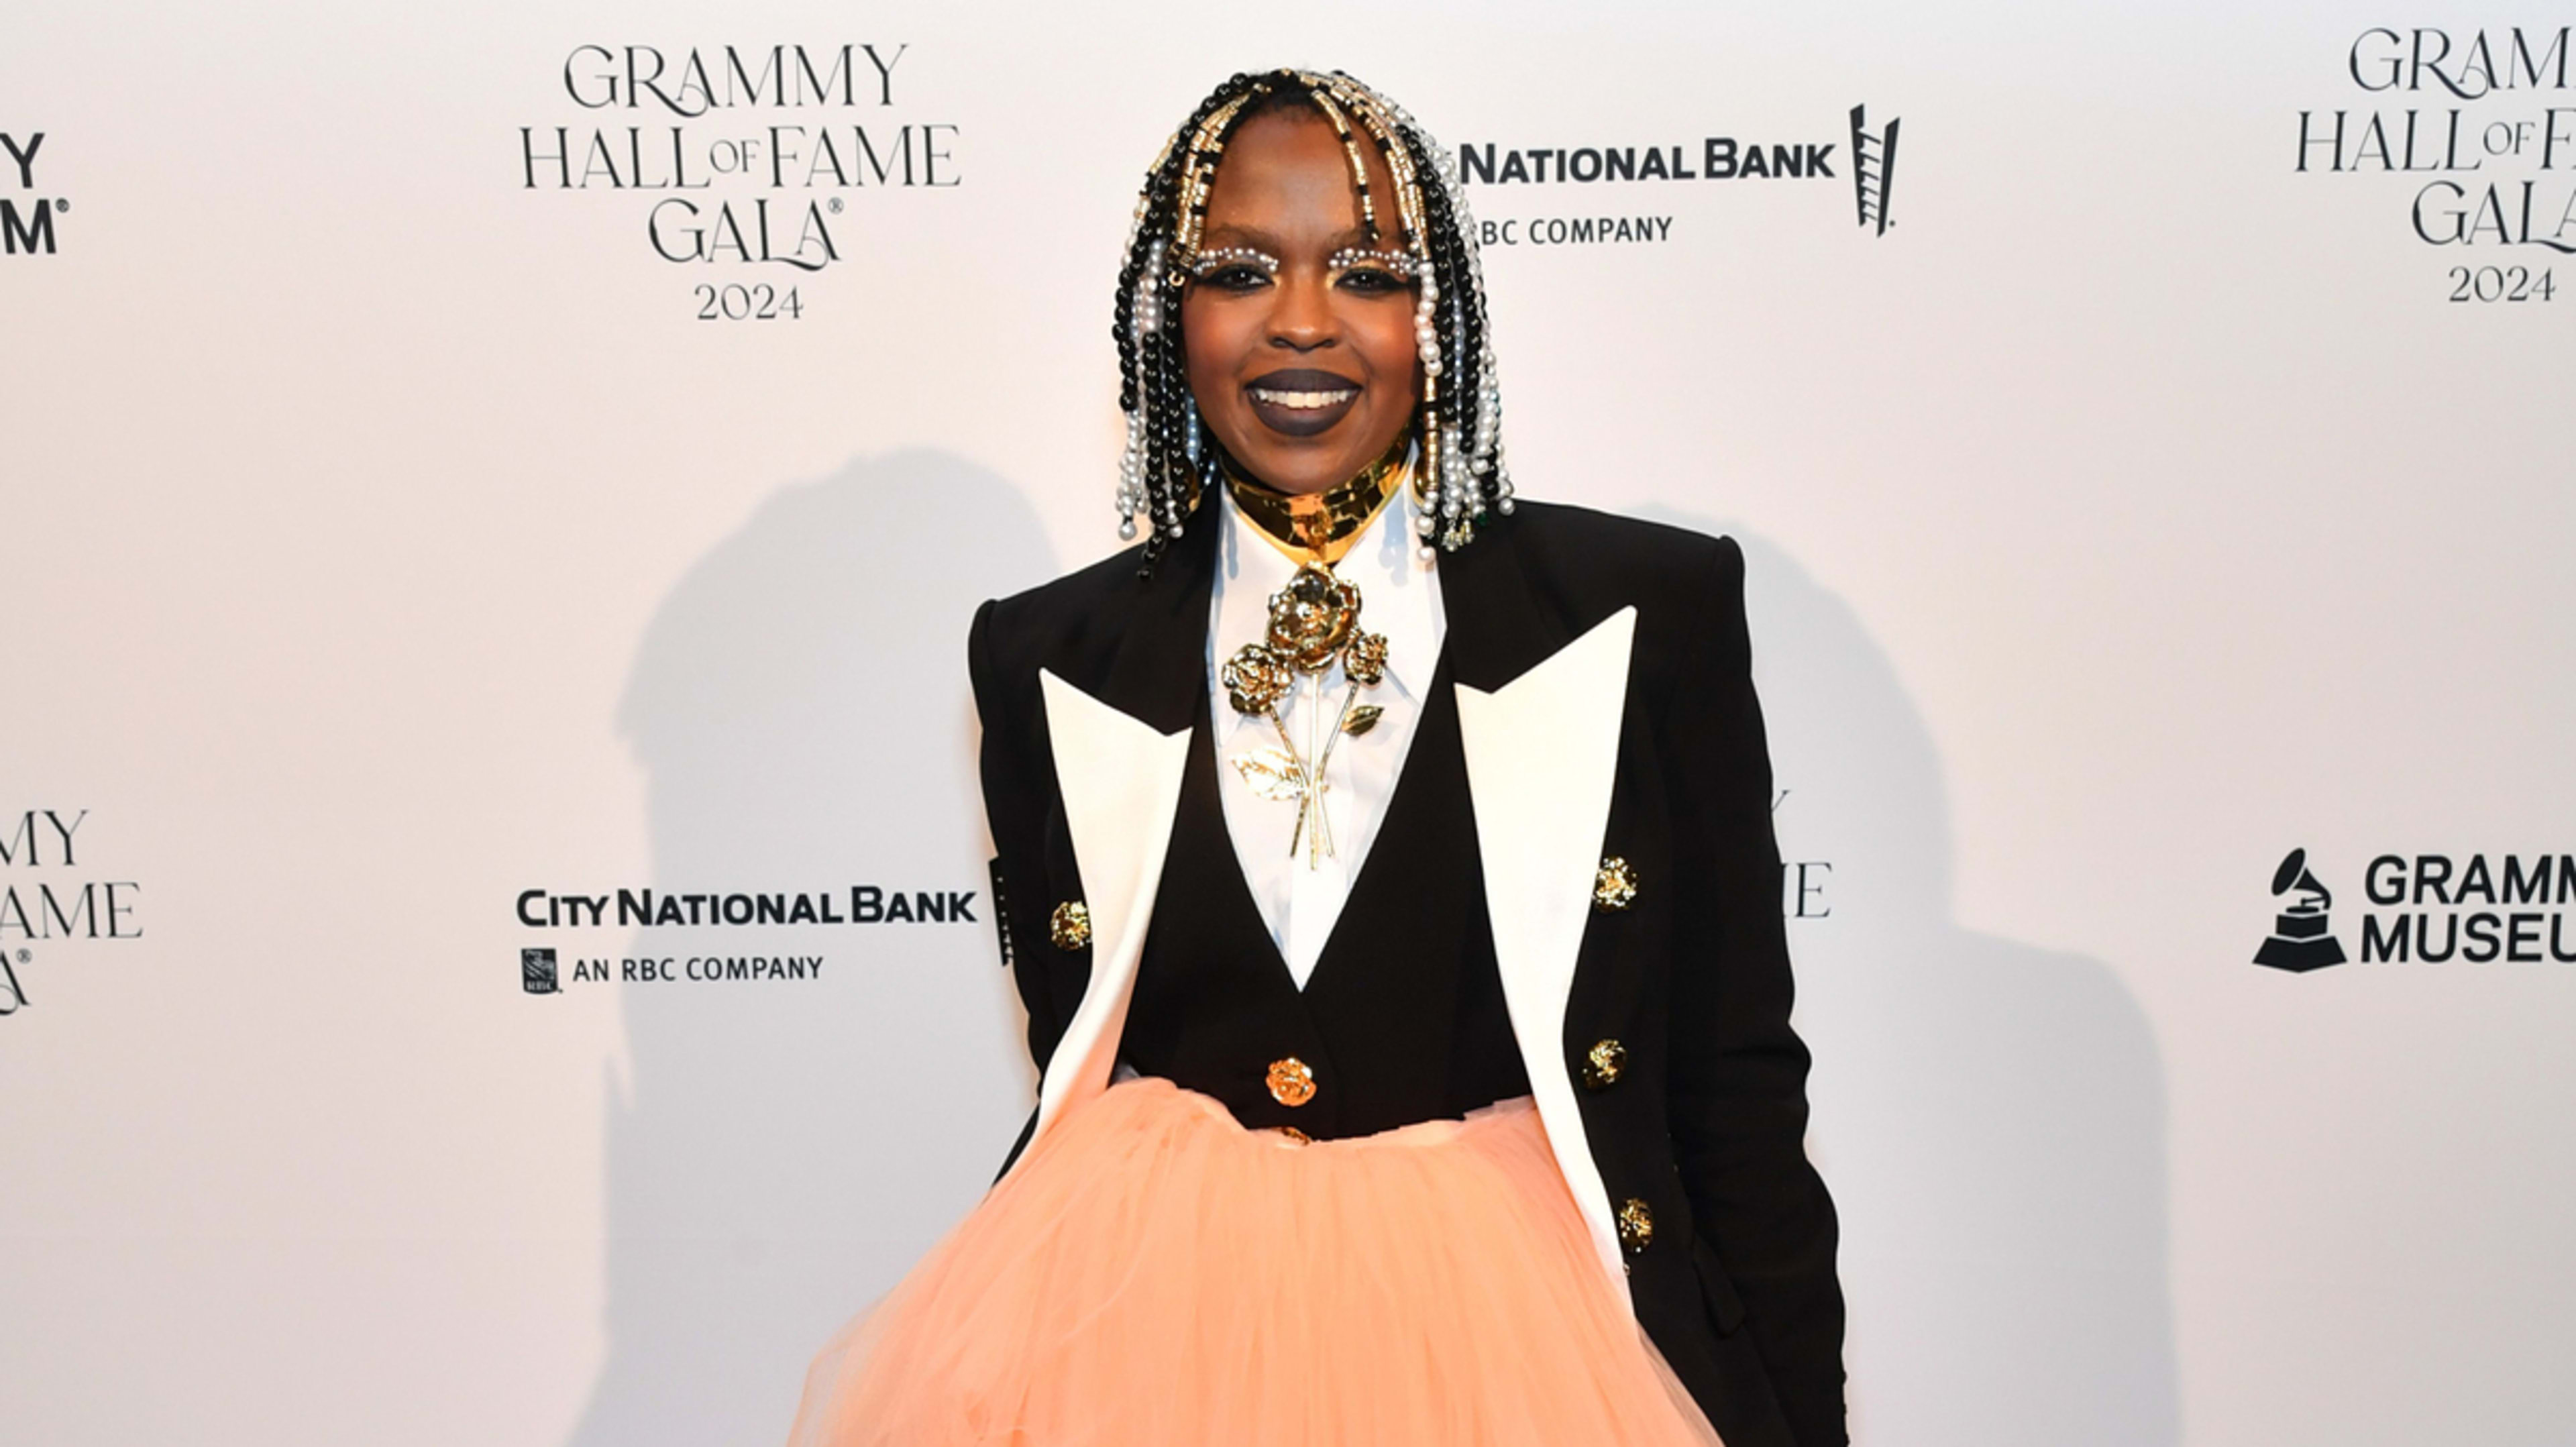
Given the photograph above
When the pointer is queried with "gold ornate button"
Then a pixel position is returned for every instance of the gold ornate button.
(1614, 885)
(1636, 1225)
(1603, 1064)
(1292, 1081)
(1070, 925)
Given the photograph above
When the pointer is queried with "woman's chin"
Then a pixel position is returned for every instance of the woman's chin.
(1296, 477)
(1300, 465)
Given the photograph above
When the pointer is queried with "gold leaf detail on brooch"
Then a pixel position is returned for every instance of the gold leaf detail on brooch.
(1272, 773)
(1362, 719)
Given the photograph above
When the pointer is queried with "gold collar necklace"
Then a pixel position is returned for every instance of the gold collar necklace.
(1322, 526)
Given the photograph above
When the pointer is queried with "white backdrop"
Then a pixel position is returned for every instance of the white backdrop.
(385, 538)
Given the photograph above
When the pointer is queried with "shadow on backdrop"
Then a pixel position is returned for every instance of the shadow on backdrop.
(1989, 1115)
(785, 1150)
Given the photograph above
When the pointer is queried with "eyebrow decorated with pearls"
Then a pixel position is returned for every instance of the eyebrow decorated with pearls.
(1401, 263)
(1208, 263)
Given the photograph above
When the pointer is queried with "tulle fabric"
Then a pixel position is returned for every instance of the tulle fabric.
(1155, 1275)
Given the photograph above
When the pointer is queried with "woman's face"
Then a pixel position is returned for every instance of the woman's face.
(1299, 324)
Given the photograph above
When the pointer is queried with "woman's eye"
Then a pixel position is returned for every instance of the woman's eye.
(1372, 280)
(1236, 276)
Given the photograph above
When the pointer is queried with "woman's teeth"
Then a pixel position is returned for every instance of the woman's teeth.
(1269, 398)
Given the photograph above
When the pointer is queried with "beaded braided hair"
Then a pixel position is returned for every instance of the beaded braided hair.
(1170, 458)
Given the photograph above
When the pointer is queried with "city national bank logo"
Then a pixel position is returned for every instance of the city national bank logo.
(26, 220)
(540, 973)
(1870, 165)
(44, 901)
(1873, 168)
(2432, 909)
(750, 155)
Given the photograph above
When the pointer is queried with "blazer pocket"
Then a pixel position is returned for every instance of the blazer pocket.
(1725, 1308)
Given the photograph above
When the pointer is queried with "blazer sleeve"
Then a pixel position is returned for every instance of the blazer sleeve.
(1738, 1072)
(1018, 779)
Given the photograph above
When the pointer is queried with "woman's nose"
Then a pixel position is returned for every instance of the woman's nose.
(1302, 319)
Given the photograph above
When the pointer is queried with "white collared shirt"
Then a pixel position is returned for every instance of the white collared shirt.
(1400, 598)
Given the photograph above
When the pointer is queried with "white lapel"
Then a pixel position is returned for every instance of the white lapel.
(1121, 783)
(1542, 754)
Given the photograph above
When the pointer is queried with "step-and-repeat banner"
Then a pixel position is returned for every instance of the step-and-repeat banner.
(495, 943)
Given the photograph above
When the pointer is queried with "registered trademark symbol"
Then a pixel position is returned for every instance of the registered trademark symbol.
(835, 204)
(25, 955)
(62, 205)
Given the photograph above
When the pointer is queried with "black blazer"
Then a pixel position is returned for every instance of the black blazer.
(1606, 703)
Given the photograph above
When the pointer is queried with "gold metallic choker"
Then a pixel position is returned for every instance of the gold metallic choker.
(1322, 526)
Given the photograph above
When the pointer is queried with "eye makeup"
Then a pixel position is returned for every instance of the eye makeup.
(1209, 263)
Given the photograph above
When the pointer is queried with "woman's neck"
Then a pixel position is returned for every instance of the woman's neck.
(1322, 525)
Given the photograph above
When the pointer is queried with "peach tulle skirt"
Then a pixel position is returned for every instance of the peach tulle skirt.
(1155, 1275)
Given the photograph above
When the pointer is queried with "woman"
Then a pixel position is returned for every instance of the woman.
(1388, 873)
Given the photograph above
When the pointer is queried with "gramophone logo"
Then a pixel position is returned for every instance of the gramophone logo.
(2302, 937)
(1873, 168)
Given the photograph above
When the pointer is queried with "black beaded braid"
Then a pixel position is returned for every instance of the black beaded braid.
(1456, 320)
(1149, 367)
(1169, 459)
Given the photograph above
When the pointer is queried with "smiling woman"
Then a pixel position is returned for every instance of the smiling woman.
(1299, 319)
(1334, 221)
(1387, 871)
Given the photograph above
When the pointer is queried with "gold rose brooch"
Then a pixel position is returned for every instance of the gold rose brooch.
(1314, 623)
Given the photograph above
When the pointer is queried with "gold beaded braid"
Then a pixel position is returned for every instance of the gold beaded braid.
(1200, 173)
(1399, 160)
(1351, 148)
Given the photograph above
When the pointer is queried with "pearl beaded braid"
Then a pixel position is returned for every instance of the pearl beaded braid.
(1169, 460)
